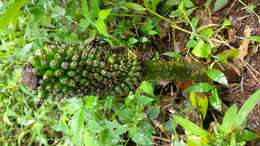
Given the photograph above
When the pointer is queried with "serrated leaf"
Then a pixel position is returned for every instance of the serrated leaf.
(134, 6)
(11, 14)
(201, 49)
(217, 76)
(190, 127)
(219, 4)
(247, 107)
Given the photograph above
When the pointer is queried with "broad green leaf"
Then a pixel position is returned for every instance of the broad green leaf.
(134, 6)
(84, 9)
(11, 15)
(199, 102)
(217, 76)
(207, 33)
(188, 3)
(246, 108)
(223, 56)
(229, 118)
(101, 27)
(202, 49)
(254, 38)
(94, 127)
(173, 54)
(191, 43)
(89, 139)
(147, 88)
(215, 100)
(94, 8)
(139, 137)
(226, 23)
(132, 41)
(144, 100)
(194, 22)
(200, 87)
(219, 4)
(189, 126)
(71, 8)
(103, 14)
(84, 23)
(90, 101)
(151, 4)
(246, 135)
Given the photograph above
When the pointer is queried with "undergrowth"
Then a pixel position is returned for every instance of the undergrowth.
(30, 118)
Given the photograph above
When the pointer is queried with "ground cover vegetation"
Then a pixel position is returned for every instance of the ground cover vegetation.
(140, 72)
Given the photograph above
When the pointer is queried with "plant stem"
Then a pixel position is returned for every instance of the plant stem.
(169, 21)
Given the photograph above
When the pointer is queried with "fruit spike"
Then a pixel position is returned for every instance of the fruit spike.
(95, 69)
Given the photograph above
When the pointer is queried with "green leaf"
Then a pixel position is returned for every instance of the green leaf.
(173, 54)
(94, 127)
(191, 43)
(215, 100)
(190, 127)
(144, 100)
(219, 4)
(207, 33)
(139, 137)
(199, 102)
(147, 88)
(223, 56)
(132, 41)
(246, 108)
(90, 101)
(217, 76)
(134, 6)
(94, 8)
(11, 14)
(151, 4)
(202, 49)
(101, 27)
(103, 14)
(246, 135)
(89, 139)
(200, 87)
(254, 38)
(226, 23)
(194, 22)
(229, 118)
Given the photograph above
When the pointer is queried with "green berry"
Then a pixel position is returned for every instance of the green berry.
(65, 65)
(54, 64)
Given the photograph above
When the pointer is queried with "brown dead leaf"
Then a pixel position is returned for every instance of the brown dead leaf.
(243, 48)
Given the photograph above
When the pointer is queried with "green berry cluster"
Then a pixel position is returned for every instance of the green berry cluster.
(94, 69)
